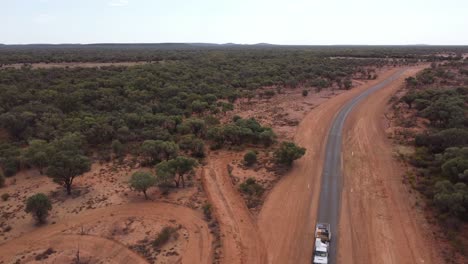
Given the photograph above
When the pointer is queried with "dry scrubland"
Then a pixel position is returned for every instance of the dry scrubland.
(425, 123)
(135, 118)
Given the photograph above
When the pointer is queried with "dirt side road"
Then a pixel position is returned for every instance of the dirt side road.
(241, 240)
(197, 250)
(287, 217)
(378, 222)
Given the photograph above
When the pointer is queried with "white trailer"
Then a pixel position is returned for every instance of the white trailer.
(322, 243)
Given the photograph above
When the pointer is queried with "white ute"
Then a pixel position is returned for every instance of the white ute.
(322, 243)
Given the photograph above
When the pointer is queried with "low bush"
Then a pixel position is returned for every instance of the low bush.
(5, 197)
(39, 206)
(251, 187)
(164, 236)
(207, 211)
(288, 152)
(2, 180)
(250, 158)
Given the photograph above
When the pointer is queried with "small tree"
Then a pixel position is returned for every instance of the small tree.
(198, 148)
(305, 93)
(175, 169)
(183, 166)
(165, 175)
(347, 83)
(141, 181)
(451, 198)
(288, 152)
(2, 179)
(267, 137)
(39, 206)
(250, 158)
(409, 98)
(251, 187)
(411, 82)
(158, 150)
(195, 145)
(207, 211)
(118, 148)
(37, 154)
(65, 166)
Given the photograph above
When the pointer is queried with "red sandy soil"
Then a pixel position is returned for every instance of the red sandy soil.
(105, 220)
(66, 236)
(379, 222)
(284, 111)
(241, 240)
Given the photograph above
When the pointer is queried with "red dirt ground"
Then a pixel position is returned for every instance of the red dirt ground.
(379, 222)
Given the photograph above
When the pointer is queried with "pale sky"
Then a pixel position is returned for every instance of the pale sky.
(314, 22)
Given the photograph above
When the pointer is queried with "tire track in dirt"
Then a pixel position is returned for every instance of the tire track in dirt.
(241, 240)
(288, 215)
(197, 250)
(378, 223)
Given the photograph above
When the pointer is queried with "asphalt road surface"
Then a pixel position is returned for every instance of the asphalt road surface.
(330, 192)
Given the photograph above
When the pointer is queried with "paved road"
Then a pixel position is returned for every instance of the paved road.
(330, 192)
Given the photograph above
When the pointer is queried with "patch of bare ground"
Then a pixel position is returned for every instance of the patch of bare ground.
(104, 212)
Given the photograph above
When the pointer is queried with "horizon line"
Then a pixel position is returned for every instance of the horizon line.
(217, 44)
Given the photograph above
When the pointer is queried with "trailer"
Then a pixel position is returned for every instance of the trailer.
(322, 243)
(322, 231)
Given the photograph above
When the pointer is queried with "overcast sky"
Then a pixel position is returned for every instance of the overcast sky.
(238, 21)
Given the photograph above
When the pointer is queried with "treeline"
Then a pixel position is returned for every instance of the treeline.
(157, 112)
(151, 101)
(442, 151)
(448, 75)
(10, 54)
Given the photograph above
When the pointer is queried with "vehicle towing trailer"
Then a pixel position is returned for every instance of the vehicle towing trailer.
(322, 243)
(322, 231)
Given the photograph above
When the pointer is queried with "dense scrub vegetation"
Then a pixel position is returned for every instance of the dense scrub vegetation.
(178, 51)
(57, 118)
(442, 150)
(60, 120)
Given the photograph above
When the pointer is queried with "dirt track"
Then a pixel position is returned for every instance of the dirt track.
(378, 223)
(241, 240)
(287, 217)
(197, 250)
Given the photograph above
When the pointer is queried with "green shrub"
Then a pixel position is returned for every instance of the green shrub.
(288, 152)
(251, 187)
(207, 211)
(118, 148)
(10, 166)
(305, 93)
(250, 158)
(39, 206)
(2, 180)
(5, 197)
(164, 236)
(141, 181)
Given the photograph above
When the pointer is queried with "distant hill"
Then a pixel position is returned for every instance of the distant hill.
(133, 46)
